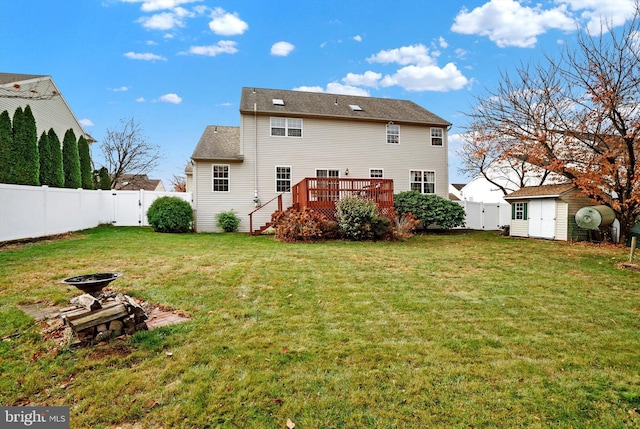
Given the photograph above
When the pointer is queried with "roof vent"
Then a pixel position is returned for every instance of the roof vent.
(355, 107)
(278, 102)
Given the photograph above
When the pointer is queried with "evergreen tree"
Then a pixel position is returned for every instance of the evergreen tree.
(18, 140)
(6, 140)
(71, 160)
(85, 163)
(46, 161)
(29, 157)
(56, 157)
(103, 179)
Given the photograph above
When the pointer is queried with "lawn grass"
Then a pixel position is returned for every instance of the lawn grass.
(444, 330)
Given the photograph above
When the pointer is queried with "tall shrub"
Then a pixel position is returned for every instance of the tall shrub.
(170, 214)
(430, 209)
(71, 160)
(358, 219)
(102, 179)
(28, 151)
(6, 164)
(57, 176)
(18, 139)
(86, 175)
(46, 161)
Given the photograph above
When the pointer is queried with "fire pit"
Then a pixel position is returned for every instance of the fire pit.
(92, 283)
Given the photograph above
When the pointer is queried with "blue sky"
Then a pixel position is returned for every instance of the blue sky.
(176, 66)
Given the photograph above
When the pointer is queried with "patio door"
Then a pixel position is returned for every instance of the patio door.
(329, 187)
(542, 218)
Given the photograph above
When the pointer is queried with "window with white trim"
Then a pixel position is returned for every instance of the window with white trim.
(437, 137)
(286, 127)
(393, 133)
(519, 211)
(220, 175)
(283, 179)
(376, 173)
(423, 181)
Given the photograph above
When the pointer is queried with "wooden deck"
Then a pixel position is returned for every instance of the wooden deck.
(322, 193)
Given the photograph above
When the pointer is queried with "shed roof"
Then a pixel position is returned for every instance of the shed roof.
(544, 191)
(219, 142)
(280, 102)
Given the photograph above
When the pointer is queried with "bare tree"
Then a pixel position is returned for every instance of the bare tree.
(576, 115)
(127, 151)
(179, 183)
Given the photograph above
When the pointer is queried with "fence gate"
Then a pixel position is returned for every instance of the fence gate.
(126, 208)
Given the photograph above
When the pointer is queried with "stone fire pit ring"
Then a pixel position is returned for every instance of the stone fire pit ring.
(92, 283)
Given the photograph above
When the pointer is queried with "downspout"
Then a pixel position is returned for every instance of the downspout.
(256, 200)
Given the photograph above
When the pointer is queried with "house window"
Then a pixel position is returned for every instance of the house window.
(519, 211)
(328, 186)
(220, 178)
(436, 137)
(376, 173)
(393, 133)
(283, 179)
(423, 181)
(289, 127)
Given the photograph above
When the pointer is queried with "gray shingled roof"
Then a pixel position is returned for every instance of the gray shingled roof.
(219, 142)
(17, 77)
(540, 191)
(316, 104)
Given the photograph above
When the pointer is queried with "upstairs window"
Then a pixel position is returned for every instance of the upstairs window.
(423, 181)
(437, 137)
(283, 179)
(286, 127)
(220, 178)
(393, 133)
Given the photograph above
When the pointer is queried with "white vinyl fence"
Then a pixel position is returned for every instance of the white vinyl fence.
(39, 211)
(486, 216)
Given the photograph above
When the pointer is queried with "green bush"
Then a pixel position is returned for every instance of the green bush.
(170, 214)
(430, 209)
(228, 221)
(358, 219)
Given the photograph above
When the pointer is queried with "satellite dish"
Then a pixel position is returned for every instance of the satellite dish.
(595, 217)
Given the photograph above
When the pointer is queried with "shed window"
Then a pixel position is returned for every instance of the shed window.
(519, 211)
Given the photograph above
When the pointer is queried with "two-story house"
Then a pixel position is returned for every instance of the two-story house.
(287, 136)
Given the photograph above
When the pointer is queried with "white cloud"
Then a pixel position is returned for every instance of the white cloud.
(144, 56)
(282, 49)
(357, 38)
(369, 78)
(222, 47)
(227, 24)
(162, 21)
(171, 98)
(414, 54)
(86, 122)
(154, 5)
(140, 100)
(427, 78)
(509, 23)
(120, 89)
(598, 12)
(335, 88)
(442, 42)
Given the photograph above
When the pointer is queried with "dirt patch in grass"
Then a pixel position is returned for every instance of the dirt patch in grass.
(633, 266)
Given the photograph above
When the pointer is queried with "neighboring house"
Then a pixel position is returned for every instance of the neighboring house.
(49, 107)
(287, 136)
(136, 182)
(454, 191)
(547, 211)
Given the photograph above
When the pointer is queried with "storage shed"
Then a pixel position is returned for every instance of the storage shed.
(547, 211)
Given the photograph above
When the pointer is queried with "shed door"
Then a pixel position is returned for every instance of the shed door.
(542, 218)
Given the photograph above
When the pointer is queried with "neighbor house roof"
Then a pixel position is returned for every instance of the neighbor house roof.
(280, 102)
(544, 191)
(220, 143)
(49, 107)
(135, 182)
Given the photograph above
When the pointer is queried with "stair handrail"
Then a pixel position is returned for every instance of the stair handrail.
(278, 197)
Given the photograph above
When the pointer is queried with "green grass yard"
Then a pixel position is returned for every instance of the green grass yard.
(452, 330)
